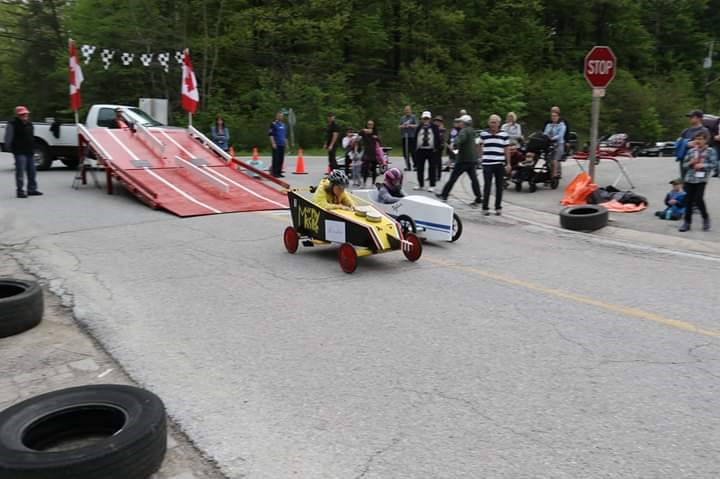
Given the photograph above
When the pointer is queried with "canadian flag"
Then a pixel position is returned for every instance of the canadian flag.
(190, 94)
(75, 78)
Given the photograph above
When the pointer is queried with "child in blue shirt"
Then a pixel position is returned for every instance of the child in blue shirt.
(675, 202)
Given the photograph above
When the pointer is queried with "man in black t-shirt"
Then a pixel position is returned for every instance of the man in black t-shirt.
(332, 137)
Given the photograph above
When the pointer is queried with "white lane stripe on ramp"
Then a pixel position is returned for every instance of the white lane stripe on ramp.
(217, 173)
(161, 179)
(122, 145)
(181, 192)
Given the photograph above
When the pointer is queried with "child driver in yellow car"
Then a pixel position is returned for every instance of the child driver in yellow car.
(330, 193)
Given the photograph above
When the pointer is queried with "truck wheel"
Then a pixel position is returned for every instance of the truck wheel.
(42, 155)
(456, 228)
(407, 224)
(21, 306)
(101, 431)
(584, 217)
(71, 163)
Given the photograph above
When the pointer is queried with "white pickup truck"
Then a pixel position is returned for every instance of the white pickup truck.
(59, 141)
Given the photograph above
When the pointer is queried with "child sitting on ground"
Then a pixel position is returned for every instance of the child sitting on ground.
(675, 202)
(391, 189)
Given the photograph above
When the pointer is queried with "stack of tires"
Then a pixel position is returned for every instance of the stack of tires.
(104, 431)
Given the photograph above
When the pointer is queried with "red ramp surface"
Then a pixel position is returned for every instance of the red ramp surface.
(168, 168)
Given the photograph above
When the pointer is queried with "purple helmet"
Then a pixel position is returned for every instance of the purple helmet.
(393, 177)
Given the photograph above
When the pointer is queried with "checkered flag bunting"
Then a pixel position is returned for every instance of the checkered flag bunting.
(146, 59)
(87, 52)
(107, 55)
(164, 60)
(127, 58)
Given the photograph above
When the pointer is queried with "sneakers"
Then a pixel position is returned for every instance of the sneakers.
(475, 204)
(706, 224)
(486, 212)
(498, 212)
(21, 194)
(34, 193)
(685, 227)
(440, 197)
(431, 189)
(417, 188)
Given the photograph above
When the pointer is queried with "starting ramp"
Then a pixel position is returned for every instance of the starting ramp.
(181, 171)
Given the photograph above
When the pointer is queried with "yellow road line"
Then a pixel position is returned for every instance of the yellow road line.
(558, 293)
(616, 308)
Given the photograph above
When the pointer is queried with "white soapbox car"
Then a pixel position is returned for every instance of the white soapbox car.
(428, 218)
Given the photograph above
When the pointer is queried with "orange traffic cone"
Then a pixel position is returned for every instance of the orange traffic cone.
(255, 156)
(300, 164)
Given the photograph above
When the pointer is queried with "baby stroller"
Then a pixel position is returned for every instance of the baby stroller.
(536, 168)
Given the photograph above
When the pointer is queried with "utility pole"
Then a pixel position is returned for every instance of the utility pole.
(707, 64)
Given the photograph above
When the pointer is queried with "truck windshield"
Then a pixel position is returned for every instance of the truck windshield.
(139, 116)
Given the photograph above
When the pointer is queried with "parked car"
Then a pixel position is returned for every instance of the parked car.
(58, 141)
(661, 148)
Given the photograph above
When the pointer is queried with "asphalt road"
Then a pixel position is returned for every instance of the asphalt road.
(517, 352)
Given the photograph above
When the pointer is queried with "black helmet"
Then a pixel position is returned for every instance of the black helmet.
(338, 177)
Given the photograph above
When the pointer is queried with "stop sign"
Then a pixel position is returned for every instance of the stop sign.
(600, 67)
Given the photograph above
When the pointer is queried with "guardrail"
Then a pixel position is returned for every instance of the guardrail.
(203, 175)
(157, 146)
(209, 143)
(86, 133)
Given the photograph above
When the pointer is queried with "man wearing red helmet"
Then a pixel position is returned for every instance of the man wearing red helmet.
(19, 140)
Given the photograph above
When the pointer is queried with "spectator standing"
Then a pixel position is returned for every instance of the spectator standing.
(466, 161)
(370, 141)
(556, 129)
(408, 124)
(494, 147)
(440, 123)
(20, 141)
(278, 139)
(220, 134)
(332, 138)
(428, 143)
(454, 131)
(513, 129)
(685, 142)
(699, 163)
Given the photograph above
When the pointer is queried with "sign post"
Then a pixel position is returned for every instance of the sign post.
(599, 69)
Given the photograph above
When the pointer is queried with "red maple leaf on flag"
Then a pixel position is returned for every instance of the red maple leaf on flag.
(189, 82)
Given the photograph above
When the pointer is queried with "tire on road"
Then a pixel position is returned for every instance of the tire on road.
(42, 156)
(21, 306)
(101, 431)
(407, 224)
(457, 228)
(584, 217)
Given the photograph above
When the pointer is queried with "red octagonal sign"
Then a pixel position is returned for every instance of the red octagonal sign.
(600, 68)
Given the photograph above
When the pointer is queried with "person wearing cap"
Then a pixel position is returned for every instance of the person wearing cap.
(466, 161)
(674, 202)
(332, 138)
(699, 163)
(427, 139)
(20, 141)
(408, 124)
(685, 142)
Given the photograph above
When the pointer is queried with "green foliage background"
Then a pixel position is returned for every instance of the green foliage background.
(367, 59)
